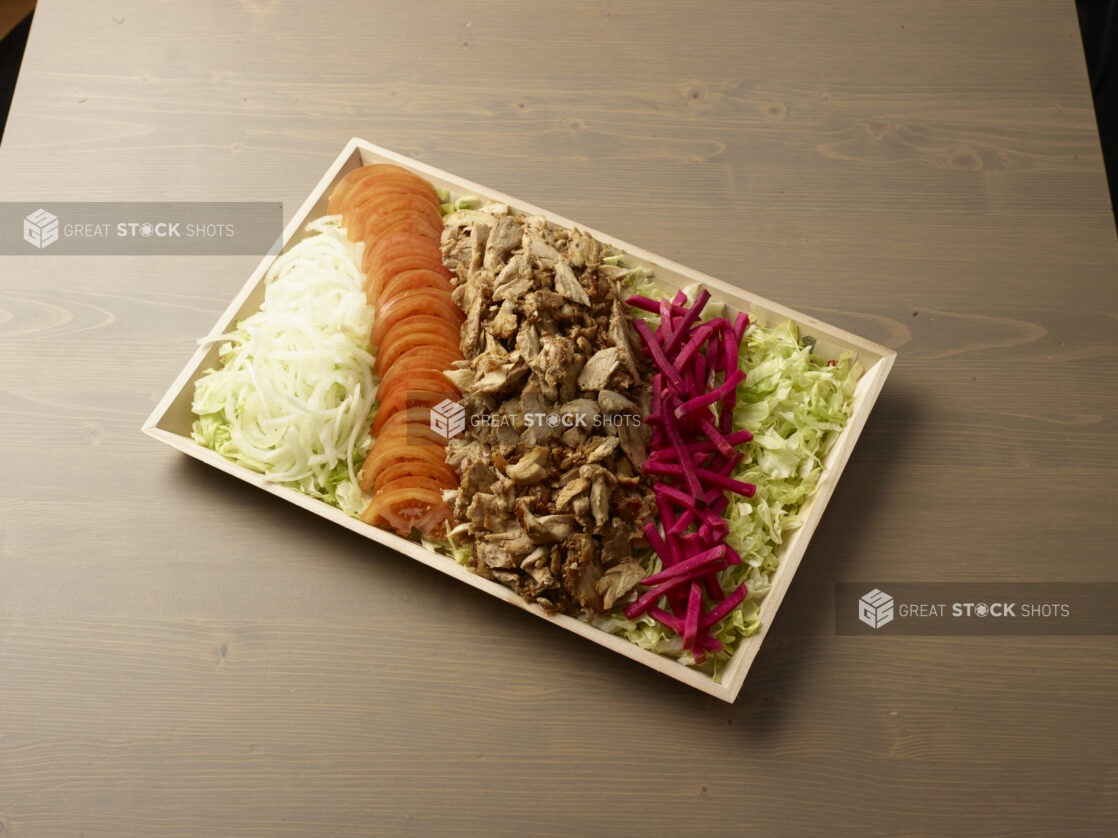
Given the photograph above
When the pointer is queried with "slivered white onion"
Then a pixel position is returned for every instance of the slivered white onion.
(295, 388)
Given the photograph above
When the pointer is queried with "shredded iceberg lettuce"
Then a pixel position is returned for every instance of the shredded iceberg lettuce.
(446, 206)
(794, 402)
(295, 386)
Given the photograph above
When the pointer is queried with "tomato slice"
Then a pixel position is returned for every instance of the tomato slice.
(423, 359)
(419, 395)
(442, 474)
(378, 459)
(412, 481)
(426, 324)
(334, 205)
(429, 383)
(370, 193)
(431, 301)
(408, 433)
(397, 376)
(385, 264)
(384, 181)
(413, 281)
(388, 353)
(401, 236)
(403, 241)
(378, 273)
(415, 415)
(352, 179)
(404, 221)
(368, 216)
(415, 402)
(430, 358)
(405, 509)
(429, 380)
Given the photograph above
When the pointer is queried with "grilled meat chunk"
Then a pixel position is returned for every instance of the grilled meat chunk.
(582, 571)
(599, 368)
(504, 236)
(505, 324)
(532, 467)
(619, 337)
(613, 402)
(551, 495)
(618, 581)
(568, 285)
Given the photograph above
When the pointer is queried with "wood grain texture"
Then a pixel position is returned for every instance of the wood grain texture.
(182, 656)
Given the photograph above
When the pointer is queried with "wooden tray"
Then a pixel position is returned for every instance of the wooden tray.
(171, 420)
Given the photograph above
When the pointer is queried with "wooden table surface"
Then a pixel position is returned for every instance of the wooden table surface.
(183, 655)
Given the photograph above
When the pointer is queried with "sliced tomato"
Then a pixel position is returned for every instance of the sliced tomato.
(408, 433)
(416, 400)
(430, 301)
(378, 273)
(407, 394)
(369, 216)
(403, 441)
(424, 355)
(378, 459)
(405, 438)
(412, 481)
(415, 415)
(372, 173)
(429, 324)
(412, 340)
(401, 242)
(423, 359)
(413, 281)
(376, 280)
(407, 509)
(429, 358)
(365, 194)
(434, 324)
(427, 380)
(395, 377)
(334, 206)
(442, 474)
(381, 183)
(399, 237)
(418, 247)
(397, 258)
(419, 395)
(404, 221)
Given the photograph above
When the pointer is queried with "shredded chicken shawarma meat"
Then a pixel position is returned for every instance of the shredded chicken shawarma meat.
(551, 497)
